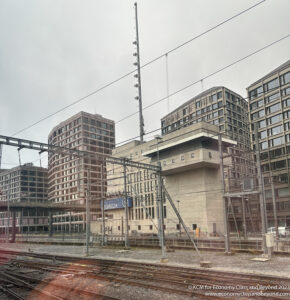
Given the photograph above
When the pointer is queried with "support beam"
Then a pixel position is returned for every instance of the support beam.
(126, 206)
(27, 144)
(180, 220)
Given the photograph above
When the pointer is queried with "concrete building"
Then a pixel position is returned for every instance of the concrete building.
(190, 167)
(269, 106)
(70, 177)
(229, 111)
(24, 184)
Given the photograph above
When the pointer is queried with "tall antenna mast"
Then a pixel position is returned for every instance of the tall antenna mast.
(138, 76)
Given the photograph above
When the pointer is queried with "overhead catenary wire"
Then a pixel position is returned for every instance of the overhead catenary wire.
(143, 66)
(205, 77)
(193, 83)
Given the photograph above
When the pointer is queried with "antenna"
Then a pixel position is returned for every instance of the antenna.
(138, 76)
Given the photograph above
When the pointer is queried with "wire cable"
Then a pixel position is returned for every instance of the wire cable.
(133, 71)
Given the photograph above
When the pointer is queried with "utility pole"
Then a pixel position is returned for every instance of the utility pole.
(103, 208)
(138, 76)
(244, 217)
(261, 197)
(274, 207)
(126, 205)
(0, 154)
(88, 198)
(161, 215)
(225, 199)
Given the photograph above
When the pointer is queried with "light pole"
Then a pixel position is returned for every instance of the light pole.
(179, 227)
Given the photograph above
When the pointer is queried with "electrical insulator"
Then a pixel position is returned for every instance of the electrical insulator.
(135, 64)
(136, 85)
(136, 75)
(135, 54)
(136, 98)
(134, 43)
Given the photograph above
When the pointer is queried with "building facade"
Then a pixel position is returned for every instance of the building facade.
(229, 111)
(69, 178)
(24, 184)
(269, 106)
(190, 170)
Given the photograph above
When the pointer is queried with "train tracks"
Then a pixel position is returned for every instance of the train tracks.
(182, 282)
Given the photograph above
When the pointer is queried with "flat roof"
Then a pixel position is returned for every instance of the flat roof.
(187, 139)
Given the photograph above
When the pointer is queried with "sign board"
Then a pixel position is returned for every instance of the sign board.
(117, 203)
(269, 240)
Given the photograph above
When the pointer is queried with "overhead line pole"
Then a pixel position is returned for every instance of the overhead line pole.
(225, 199)
(138, 85)
(261, 197)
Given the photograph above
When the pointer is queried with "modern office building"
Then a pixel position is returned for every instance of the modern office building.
(24, 184)
(229, 111)
(269, 106)
(190, 168)
(70, 177)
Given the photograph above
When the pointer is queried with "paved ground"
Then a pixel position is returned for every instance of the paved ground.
(278, 265)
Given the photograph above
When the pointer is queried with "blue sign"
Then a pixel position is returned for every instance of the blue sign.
(117, 203)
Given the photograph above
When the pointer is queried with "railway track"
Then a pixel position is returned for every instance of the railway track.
(175, 280)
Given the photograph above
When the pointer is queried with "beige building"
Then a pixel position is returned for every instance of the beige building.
(269, 106)
(68, 176)
(190, 167)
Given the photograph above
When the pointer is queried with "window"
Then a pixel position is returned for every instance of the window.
(219, 95)
(271, 85)
(257, 104)
(274, 119)
(262, 134)
(215, 106)
(194, 226)
(275, 130)
(287, 114)
(263, 145)
(285, 78)
(277, 141)
(150, 227)
(262, 124)
(139, 227)
(256, 92)
(274, 108)
(258, 114)
(272, 97)
(286, 102)
(197, 104)
(214, 97)
(276, 153)
(284, 192)
(281, 164)
(285, 92)
(192, 155)
(220, 104)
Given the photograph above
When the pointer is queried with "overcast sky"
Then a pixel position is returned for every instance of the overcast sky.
(54, 52)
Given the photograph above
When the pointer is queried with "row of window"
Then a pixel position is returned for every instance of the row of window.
(277, 165)
(272, 143)
(271, 85)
